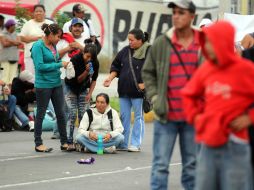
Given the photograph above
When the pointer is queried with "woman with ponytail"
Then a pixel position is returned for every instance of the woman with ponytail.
(127, 67)
(48, 85)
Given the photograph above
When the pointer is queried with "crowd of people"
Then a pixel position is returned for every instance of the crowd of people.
(60, 73)
(200, 88)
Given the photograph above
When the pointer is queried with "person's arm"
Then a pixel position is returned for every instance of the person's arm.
(91, 89)
(247, 41)
(109, 79)
(28, 39)
(37, 56)
(83, 75)
(6, 42)
(76, 45)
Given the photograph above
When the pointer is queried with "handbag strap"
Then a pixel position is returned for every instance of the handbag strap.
(179, 58)
(132, 71)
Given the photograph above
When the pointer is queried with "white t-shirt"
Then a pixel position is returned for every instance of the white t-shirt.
(32, 28)
(87, 31)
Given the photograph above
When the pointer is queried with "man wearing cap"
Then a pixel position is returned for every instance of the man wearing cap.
(9, 53)
(78, 11)
(70, 45)
(164, 75)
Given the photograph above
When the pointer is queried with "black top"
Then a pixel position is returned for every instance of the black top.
(19, 88)
(79, 67)
(126, 84)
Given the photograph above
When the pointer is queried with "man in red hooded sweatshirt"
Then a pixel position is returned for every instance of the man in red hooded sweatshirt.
(225, 81)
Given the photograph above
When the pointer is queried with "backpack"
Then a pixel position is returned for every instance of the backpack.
(90, 117)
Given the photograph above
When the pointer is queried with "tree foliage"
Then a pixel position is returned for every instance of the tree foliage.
(22, 15)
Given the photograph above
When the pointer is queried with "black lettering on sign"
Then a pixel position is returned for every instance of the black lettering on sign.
(164, 19)
(150, 23)
(138, 19)
(118, 36)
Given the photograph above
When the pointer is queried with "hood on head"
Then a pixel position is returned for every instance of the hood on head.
(221, 35)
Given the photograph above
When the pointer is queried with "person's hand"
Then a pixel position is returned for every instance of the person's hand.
(141, 86)
(241, 122)
(107, 137)
(75, 45)
(93, 136)
(65, 64)
(107, 82)
(87, 68)
(88, 97)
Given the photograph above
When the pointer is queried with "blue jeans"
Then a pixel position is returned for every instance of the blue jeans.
(139, 125)
(11, 102)
(55, 129)
(22, 117)
(225, 168)
(75, 103)
(43, 95)
(163, 145)
(92, 145)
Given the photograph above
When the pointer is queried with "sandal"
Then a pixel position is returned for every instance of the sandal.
(71, 147)
(64, 147)
(44, 149)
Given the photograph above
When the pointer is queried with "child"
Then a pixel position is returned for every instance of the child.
(226, 81)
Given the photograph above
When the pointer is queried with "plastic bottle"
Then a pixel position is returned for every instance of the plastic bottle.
(100, 144)
(91, 71)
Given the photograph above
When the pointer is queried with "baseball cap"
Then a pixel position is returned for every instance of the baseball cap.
(185, 4)
(10, 22)
(76, 21)
(78, 8)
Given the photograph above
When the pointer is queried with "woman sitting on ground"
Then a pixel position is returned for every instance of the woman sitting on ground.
(98, 123)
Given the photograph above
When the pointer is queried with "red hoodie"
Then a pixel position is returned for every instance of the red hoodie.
(228, 88)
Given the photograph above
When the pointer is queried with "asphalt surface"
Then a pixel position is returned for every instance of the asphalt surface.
(21, 168)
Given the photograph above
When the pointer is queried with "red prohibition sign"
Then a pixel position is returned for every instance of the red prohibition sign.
(98, 14)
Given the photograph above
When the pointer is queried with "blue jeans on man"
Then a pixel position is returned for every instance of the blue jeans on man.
(163, 144)
(93, 146)
(227, 167)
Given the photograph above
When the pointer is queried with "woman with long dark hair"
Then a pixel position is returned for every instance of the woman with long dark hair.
(48, 84)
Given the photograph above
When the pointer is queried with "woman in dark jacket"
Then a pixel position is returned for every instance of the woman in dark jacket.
(127, 67)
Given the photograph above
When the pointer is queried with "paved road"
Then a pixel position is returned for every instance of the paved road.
(21, 168)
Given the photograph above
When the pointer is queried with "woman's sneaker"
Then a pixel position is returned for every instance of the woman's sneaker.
(133, 149)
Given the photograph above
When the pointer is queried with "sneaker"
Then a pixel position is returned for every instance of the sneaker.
(55, 136)
(121, 149)
(31, 126)
(79, 147)
(133, 149)
(110, 150)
